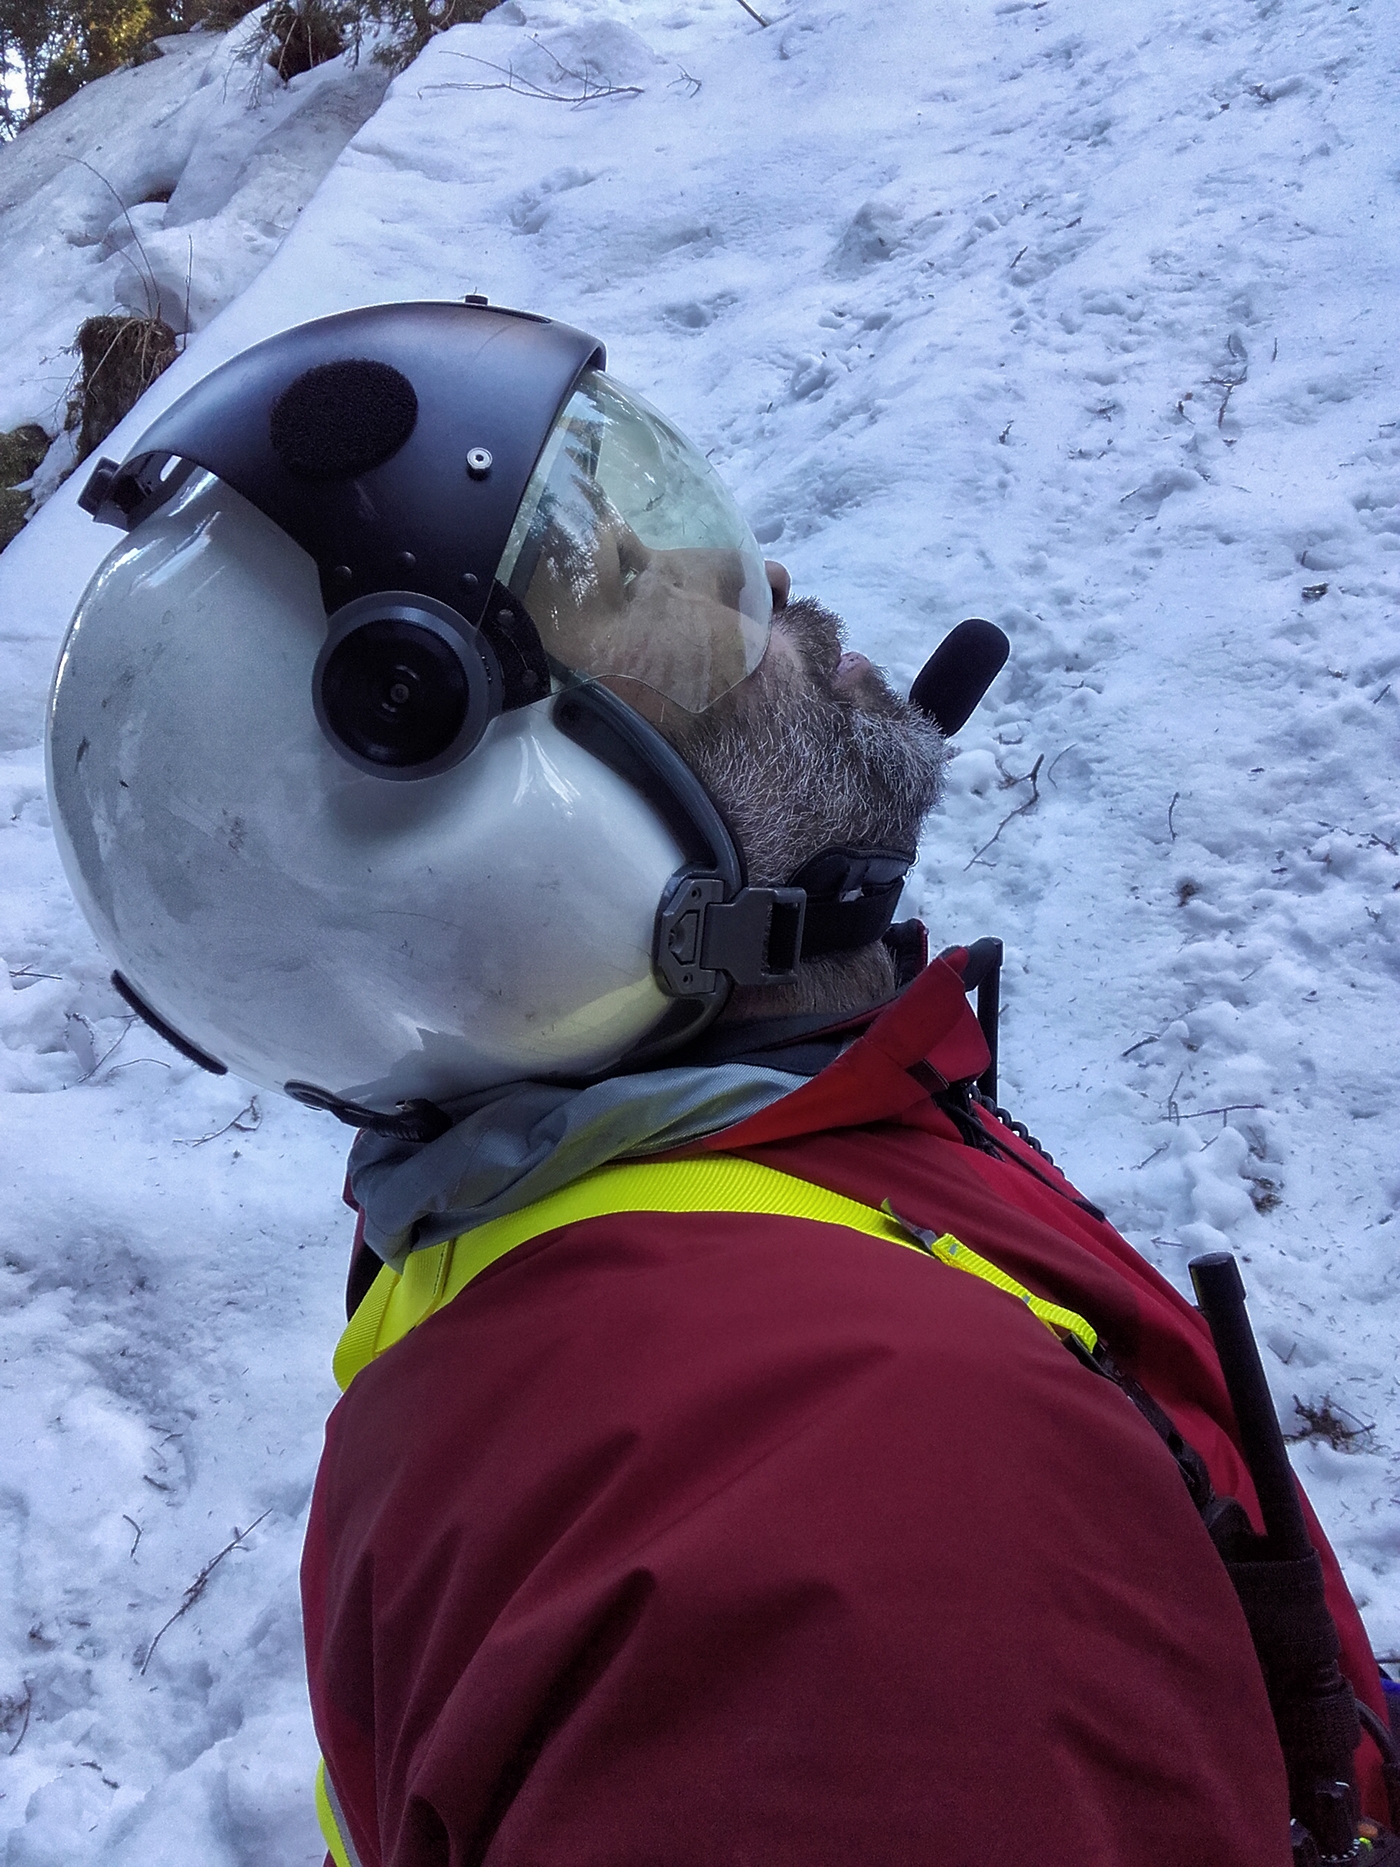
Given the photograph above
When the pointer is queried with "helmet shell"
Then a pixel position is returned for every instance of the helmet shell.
(299, 919)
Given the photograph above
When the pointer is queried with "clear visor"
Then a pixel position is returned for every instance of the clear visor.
(631, 558)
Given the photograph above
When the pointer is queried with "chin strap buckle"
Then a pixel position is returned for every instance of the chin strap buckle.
(755, 938)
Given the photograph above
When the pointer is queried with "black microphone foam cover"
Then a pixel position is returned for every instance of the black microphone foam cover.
(959, 672)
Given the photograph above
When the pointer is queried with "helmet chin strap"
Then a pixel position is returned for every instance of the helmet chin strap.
(852, 895)
(713, 930)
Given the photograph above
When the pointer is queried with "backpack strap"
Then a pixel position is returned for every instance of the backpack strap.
(396, 1303)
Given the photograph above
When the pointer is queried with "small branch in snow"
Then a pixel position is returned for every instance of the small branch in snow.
(753, 13)
(1228, 1109)
(1176, 799)
(111, 1048)
(1055, 761)
(1020, 256)
(137, 1528)
(1002, 437)
(28, 1707)
(685, 78)
(1033, 775)
(1010, 779)
(200, 1583)
(591, 86)
(1374, 839)
(1229, 384)
(1330, 1422)
(1141, 1044)
(254, 1113)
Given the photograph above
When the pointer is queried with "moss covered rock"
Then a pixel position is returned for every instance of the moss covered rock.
(21, 450)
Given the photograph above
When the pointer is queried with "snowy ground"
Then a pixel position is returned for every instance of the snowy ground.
(1083, 318)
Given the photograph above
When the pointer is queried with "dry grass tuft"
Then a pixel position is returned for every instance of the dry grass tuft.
(120, 357)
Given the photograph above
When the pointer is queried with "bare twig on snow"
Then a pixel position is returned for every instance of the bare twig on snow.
(1033, 775)
(200, 1583)
(591, 85)
(253, 1112)
(1228, 1109)
(28, 1707)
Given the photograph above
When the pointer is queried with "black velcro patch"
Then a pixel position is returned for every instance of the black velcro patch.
(342, 419)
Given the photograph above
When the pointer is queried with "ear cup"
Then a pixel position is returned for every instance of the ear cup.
(404, 687)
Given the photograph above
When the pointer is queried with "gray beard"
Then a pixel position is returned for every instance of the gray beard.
(796, 769)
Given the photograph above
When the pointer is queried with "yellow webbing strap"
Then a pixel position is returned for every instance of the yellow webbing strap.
(713, 1183)
(949, 1250)
(328, 1815)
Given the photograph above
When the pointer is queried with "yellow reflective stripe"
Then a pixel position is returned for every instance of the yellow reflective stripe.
(341, 1850)
(1058, 1320)
(713, 1183)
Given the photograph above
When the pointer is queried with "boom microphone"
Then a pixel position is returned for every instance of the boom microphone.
(958, 672)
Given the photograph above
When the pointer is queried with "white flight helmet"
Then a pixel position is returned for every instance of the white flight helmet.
(335, 776)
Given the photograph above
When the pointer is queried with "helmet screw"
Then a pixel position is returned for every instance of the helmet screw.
(406, 561)
(342, 573)
(469, 580)
(478, 462)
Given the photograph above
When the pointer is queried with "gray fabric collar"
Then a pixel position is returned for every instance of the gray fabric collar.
(510, 1146)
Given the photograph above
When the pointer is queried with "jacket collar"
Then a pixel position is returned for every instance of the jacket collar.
(925, 1040)
(512, 1145)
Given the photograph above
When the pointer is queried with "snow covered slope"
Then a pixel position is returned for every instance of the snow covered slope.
(164, 190)
(1080, 317)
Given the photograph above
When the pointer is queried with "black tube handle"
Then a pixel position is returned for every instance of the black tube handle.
(1219, 1288)
(988, 1013)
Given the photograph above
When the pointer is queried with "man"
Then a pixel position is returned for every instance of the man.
(688, 1502)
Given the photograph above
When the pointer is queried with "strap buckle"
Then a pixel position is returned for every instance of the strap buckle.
(755, 938)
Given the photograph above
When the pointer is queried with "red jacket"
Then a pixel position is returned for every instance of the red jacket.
(735, 1541)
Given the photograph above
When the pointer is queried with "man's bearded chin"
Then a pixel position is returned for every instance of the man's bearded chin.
(810, 757)
(798, 764)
